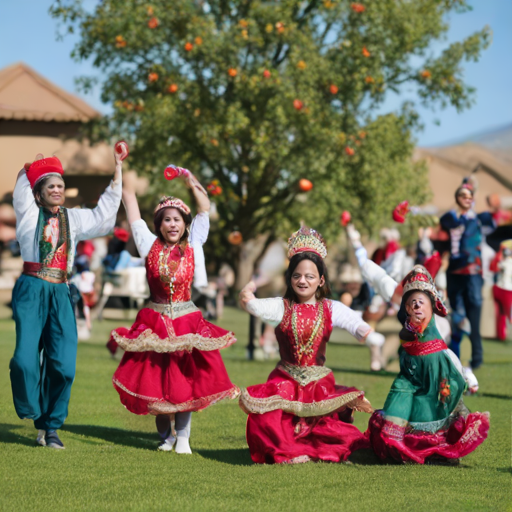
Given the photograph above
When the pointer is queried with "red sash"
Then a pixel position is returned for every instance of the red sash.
(50, 274)
(418, 348)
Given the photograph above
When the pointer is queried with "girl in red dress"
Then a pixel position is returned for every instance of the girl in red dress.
(300, 413)
(172, 365)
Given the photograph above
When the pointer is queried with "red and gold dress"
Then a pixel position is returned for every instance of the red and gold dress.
(172, 361)
(300, 413)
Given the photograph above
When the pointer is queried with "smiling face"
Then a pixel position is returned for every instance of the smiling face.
(305, 281)
(419, 308)
(52, 192)
(173, 226)
(464, 199)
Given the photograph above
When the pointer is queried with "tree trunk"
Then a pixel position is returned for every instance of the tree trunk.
(250, 252)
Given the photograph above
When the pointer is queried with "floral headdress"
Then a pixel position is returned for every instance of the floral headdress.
(419, 279)
(306, 240)
(172, 202)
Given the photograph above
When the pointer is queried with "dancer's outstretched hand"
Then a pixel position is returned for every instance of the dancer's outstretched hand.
(247, 294)
(193, 183)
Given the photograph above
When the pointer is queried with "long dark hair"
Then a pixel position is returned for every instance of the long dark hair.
(323, 291)
(159, 217)
(38, 187)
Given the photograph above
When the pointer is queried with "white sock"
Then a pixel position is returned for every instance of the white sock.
(182, 445)
(167, 444)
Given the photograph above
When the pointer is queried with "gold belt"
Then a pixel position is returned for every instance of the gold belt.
(303, 375)
(174, 309)
(50, 274)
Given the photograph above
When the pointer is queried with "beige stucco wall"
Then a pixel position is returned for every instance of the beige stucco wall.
(18, 149)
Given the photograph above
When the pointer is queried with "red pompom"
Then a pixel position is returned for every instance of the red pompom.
(400, 212)
(345, 218)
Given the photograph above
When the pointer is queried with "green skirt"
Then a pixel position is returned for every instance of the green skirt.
(426, 391)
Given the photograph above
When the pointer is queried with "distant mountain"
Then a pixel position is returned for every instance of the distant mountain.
(499, 140)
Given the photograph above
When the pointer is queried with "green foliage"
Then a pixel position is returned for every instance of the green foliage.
(259, 94)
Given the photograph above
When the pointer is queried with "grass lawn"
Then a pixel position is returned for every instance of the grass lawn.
(111, 462)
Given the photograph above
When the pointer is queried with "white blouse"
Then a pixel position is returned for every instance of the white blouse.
(271, 311)
(84, 223)
(199, 229)
(383, 284)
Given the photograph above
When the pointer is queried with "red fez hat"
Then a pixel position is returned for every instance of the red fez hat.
(44, 167)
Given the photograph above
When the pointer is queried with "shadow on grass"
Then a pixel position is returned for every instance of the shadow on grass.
(131, 438)
(241, 457)
(234, 456)
(495, 395)
(8, 436)
(365, 457)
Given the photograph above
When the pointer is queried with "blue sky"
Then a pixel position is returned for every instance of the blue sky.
(28, 34)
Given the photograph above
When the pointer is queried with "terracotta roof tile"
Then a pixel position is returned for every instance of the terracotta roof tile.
(26, 95)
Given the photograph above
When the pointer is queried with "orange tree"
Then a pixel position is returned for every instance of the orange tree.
(257, 95)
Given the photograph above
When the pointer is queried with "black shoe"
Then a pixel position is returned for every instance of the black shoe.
(53, 441)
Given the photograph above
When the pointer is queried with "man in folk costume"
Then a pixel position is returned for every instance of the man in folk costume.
(43, 365)
(464, 274)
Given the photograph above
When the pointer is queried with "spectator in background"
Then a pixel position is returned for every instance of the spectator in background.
(502, 290)
(118, 258)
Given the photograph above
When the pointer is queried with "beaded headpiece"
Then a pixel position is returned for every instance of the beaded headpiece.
(419, 279)
(172, 202)
(43, 168)
(306, 240)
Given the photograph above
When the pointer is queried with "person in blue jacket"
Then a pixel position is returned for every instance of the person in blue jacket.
(464, 274)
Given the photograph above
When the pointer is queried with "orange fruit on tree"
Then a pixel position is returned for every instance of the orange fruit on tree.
(153, 23)
(235, 238)
(305, 185)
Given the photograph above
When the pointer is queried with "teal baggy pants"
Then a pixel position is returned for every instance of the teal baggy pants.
(44, 361)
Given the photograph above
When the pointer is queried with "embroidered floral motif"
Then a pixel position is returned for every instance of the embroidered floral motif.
(444, 391)
(54, 239)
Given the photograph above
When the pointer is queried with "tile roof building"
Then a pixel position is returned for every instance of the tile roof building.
(36, 116)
